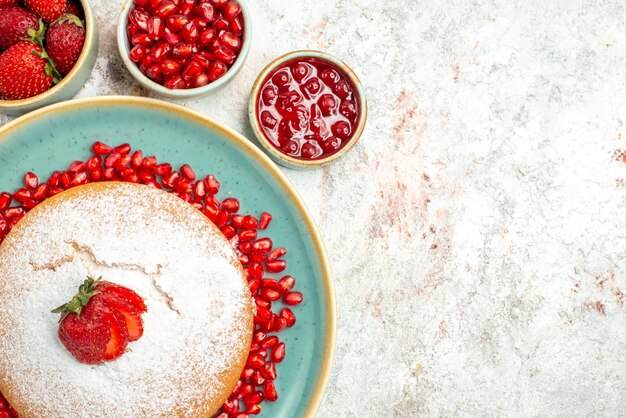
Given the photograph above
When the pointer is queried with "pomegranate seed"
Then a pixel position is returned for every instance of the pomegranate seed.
(224, 53)
(172, 38)
(145, 63)
(40, 192)
(246, 389)
(289, 317)
(255, 397)
(252, 409)
(250, 222)
(292, 298)
(201, 80)
(160, 52)
(269, 342)
(170, 67)
(236, 26)
(218, 69)
(136, 160)
(156, 27)
(142, 39)
(228, 232)
(279, 324)
(183, 50)
(13, 213)
(22, 195)
(212, 184)
(31, 180)
(255, 361)
(266, 218)
(262, 245)
(170, 180)
(163, 169)
(206, 11)
(269, 294)
(149, 163)
(199, 189)
(187, 7)
(222, 415)
(254, 285)
(77, 166)
(269, 371)
(123, 149)
(139, 19)
(54, 191)
(5, 200)
(96, 174)
(237, 221)
(269, 391)
(165, 9)
(247, 373)
(221, 24)
(230, 205)
(190, 32)
(174, 83)
(230, 407)
(247, 235)
(94, 163)
(286, 283)
(278, 353)
(206, 37)
(231, 10)
(276, 254)
(231, 41)
(275, 266)
(191, 70)
(122, 162)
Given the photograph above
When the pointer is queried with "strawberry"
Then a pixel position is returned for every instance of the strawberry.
(72, 8)
(8, 3)
(64, 42)
(25, 71)
(14, 25)
(98, 323)
(49, 10)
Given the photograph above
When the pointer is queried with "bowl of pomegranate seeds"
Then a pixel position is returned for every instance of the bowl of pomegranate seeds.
(47, 51)
(183, 49)
(307, 109)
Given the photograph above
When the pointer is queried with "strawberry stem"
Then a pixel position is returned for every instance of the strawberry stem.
(86, 291)
(37, 36)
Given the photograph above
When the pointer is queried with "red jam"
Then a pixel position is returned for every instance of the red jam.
(308, 108)
(183, 45)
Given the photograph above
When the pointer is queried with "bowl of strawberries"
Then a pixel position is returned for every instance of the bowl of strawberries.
(47, 51)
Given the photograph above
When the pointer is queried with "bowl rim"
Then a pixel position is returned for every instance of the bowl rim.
(90, 28)
(186, 113)
(123, 46)
(285, 159)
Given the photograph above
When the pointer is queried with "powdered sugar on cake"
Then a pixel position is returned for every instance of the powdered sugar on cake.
(151, 242)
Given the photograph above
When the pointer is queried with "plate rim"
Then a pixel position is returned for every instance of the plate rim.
(242, 142)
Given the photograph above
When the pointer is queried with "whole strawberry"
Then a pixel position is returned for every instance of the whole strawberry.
(64, 42)
(14, 25)
(48, 10)
(100, 320)
(72, 8)
(8, 3)
(25, 71)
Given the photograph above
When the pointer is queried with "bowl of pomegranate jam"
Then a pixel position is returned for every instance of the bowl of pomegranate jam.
(183, 48)
(307, 109)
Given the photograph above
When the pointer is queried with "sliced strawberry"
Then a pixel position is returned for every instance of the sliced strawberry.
(119, 336)
(126, 293)
(134, 324)
(130, 313)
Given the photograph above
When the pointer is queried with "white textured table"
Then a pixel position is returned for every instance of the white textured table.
(478, 232)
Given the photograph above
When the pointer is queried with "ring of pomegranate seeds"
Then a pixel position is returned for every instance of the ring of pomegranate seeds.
(256, 254)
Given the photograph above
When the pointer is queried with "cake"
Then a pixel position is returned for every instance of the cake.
(199, 319)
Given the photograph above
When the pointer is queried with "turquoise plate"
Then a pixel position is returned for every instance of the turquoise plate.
(52, 137)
